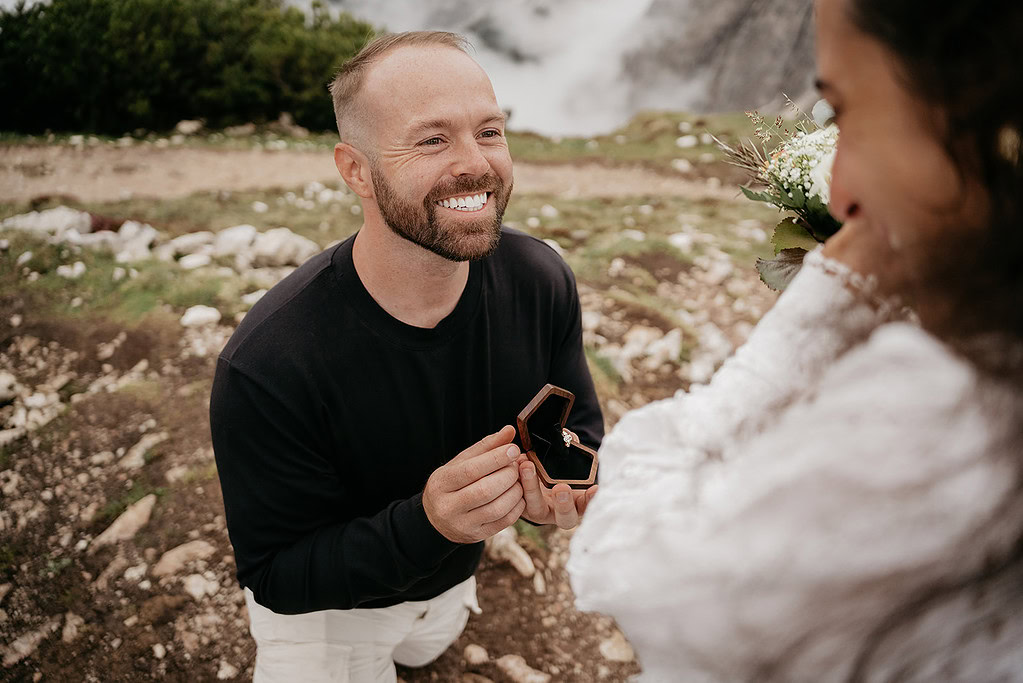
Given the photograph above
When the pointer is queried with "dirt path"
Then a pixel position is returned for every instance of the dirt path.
(108, 173)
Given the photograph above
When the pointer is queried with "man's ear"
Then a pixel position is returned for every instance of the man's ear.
(354, 168)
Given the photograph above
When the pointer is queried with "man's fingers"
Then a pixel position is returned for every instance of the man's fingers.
(488, 488)
(468, 471)
(536, 506)
(505, 522)
(501, 437)
(565, 514)
(499, 507)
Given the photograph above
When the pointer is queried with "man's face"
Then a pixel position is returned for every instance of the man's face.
(441, 169)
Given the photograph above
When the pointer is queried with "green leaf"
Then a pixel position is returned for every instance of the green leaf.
(790, 234)
(779, 271)
(759, 196)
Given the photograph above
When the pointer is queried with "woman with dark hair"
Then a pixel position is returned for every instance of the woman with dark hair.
(844, 500)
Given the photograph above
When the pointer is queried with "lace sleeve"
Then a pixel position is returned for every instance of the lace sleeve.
(776, 565)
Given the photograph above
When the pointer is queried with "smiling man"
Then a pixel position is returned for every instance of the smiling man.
(361, 412)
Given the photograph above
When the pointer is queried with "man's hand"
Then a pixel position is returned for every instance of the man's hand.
(561, 505)
(477, 493)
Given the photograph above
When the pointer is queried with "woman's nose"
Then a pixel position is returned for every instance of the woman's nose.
(844, 204)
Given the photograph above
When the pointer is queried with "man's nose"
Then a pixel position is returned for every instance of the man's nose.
(468, 159)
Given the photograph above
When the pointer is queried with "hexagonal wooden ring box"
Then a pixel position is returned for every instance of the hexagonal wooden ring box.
(555, 451)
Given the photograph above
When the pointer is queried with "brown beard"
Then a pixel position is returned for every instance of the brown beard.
(419, 225)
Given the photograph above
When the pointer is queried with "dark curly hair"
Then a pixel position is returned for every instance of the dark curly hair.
(963, 57)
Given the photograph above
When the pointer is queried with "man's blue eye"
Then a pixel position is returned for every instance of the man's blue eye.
(490, 133)
(431, 141)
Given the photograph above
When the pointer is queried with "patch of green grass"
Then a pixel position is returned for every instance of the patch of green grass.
(54, 566)
(137, 492)
(207, 472)
(531, 533)
(8, 561)
(648, 139)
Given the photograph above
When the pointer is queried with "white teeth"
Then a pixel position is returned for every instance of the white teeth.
(471, 203)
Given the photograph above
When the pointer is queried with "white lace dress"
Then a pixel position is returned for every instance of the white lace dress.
(816, 512)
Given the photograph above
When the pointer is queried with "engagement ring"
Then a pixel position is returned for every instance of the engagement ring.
(566, 437)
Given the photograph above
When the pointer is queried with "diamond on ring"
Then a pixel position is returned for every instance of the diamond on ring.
(566, 437)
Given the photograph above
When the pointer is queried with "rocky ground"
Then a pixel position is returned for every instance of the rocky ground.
(114, 558)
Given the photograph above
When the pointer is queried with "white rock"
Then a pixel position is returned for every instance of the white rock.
(23, 258)
(136, 573)
(682, 165)
(135, 240)
(712, 349)
(4, 590)
(188, 127)
(197, 316)
(617, 267)
(687, 141)
(174, 560)
(548, 211)
(717, 272)
(226, 670)
(539, 584)
(9, 386)
(71, 624)
(617, 648)
(193, 242)
(634, 235)
(475, 655)
(553, 244)
(11, 435)
(159, 651)
(260, 207)
(193, 261)
(681, 241)
(27, 643)
(118, 274)
(198, 586)
(251, 298)
(591, 320)
(72, 272)
(667, 349)
(515, 668)
(504, 547)
(51, 222)
(136, 455)
(127, 525)
(282, 247)
(234, 240)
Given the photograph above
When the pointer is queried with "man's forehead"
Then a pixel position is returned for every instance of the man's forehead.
(416, 76)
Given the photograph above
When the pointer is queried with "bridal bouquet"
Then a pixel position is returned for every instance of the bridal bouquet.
(795, 177)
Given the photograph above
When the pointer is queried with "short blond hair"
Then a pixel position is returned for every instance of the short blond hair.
(349, 78)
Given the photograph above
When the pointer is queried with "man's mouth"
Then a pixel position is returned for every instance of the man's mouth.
(469, 202)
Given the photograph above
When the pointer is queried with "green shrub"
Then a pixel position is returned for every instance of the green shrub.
(111, 66)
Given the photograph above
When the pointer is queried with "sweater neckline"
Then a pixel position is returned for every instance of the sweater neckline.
(356, 295)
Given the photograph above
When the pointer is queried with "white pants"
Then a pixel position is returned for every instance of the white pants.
(357, 645)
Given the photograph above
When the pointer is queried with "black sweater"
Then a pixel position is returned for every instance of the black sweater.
(328, 416)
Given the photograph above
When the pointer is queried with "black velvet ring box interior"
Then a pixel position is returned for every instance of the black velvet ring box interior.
(555, 451)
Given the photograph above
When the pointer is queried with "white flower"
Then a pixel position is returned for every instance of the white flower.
(805, 162)
(820, 178)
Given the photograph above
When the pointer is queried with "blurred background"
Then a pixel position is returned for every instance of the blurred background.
(164, 163)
